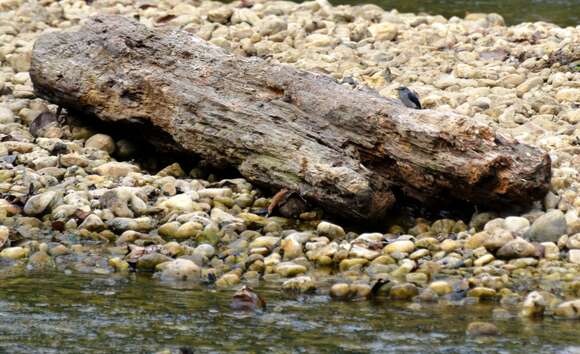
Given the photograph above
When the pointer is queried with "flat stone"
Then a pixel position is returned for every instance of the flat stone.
(116, 169)
(518, 248)
(288, 269)
(482, 292)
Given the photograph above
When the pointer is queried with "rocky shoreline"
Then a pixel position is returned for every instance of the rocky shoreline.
(74, 199)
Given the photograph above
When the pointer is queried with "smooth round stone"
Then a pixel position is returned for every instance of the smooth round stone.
(419, 254)
(118, 264)
(14, 252)
(384, 259)
(288, 269)
(533, 305)
(483, 260)
(101, 142)
(360, 290)
(404, 246)
(403, 291)
(481, 292)
(482, 329)
(568, 309)
(188, 230)
(429, 243)
(476, 240)
(551, 250)
(449, 245)
(92, 223)
(6, 115)
(441, 287)
(4, 235)
(181, 202)
(149, 261)
(498, 239)
(173, 170)
(265, 241)
(574, 256)
(228, 280)
(548, 227)
(516, 224)
(573, 242)
(37, 204)
(347, 264)
(340, 290)
(169, 229)
(301, 284)
(362, 252)
(292, 248)
(116, 169)
(59, 250)
(332, 231)
(517, 248)
(204, 250)
(179, 269)
(417, 278)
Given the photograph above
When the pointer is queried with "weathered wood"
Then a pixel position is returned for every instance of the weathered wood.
(346, 149)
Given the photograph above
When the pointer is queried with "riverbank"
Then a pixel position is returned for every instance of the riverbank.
(74, 200)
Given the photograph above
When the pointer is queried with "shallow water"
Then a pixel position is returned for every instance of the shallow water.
(561, 12)
(60, 313)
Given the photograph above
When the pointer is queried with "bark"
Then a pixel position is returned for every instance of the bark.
(346, 149)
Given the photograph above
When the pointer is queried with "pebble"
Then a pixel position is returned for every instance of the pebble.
(332, 231)
(289, 269)
(6, 115)
(403, 246)
(384, 31)
(548, 227)
(518, 248)
(340, 290)
(574, 256)
(116, 169)
(39, 203)
(404, 291)
(14, 252)
(301, 284)
(92, 223)
(101, 142)
(482, 329)
(482, 293)
(228, 280)
(179, 269)
(534, 305)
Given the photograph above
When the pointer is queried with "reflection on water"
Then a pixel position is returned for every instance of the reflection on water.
(95, 314)
(561, 12)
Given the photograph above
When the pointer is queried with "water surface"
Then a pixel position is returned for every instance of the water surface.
(61, 313)
(560, 12)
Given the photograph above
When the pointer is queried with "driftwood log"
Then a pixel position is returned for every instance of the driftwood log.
(349, 150)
